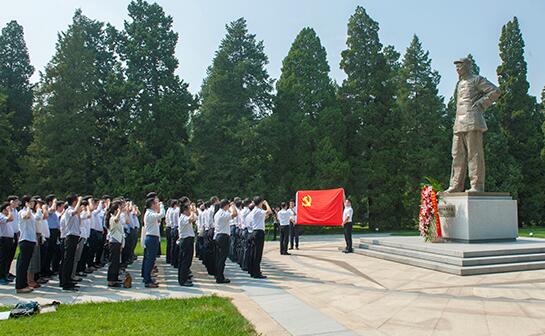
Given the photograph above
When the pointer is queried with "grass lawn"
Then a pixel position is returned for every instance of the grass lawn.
(209, 315)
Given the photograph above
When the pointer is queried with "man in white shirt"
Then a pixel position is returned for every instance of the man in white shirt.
(13, 204)
(247, 232)
(27, 241)
(258, 236)
(294, 230)
(155, 211)
(233, 240)
(210, 245)
(168, 230)
(71, 233)
(186, 237)
(84, 232)
(200, 229)
(347, 225)
(175, 248)
(284, 216)
(6, 241)
(222, 231)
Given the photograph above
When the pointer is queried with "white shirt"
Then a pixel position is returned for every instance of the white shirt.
(248, 220)
(96, 219)
(27, 228)
(72, 222)
(258, 219)
(293, 216)
(200, 222)
(85, 224)
(347, 214)
(284, 216)
(152, 221)
(175, 217)
(168, 217)
(115, 232)
(242, 217)
(15, 222)
(221, 222)
(38, 217)
(185, 229)
(6, 229)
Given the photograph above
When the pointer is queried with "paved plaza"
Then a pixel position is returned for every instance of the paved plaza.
(320, 291)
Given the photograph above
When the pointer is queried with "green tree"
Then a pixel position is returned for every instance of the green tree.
(15, 72)
(159, 106)
(373, 130)
(302, 152)
(422, 112)
(236, 93)
(520, 120)
(7, 151)
(63, 155)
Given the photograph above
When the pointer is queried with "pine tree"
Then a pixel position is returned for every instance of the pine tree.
(520, 121)
(63, 155)
(235, 95)
(421, 110)
(373, 131)
(301, 149)
(159, 103)
(7, 151)
(15, 72)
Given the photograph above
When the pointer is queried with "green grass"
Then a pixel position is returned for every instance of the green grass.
(209, 315)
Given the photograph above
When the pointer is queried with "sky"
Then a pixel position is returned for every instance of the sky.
(449, 30)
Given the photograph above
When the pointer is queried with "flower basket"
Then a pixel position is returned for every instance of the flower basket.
(429, 223)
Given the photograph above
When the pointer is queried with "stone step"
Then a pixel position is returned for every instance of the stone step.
(484, 250)
(456, 261)
(453, 269)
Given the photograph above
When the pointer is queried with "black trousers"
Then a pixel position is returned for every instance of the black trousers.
(258, 241)
(70, 244)
(126, 251)
(82, 264)
(232, 242)
(99, 256)
(210, 252)
(54, 252)
(247, 253)
(275, 229)
(348, 235)
(284, 238)
(222, 250)
(199, 247)
(175, 252)
(44, 267)
(115, 257)
(6, 244)
(26, 249)
(294, 235)
(185, 258)
(168, 233)
(13, 249)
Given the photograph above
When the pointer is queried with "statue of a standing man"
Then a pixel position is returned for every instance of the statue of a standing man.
(474, 95)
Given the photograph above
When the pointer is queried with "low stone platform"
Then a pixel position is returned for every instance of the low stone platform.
(458, 258)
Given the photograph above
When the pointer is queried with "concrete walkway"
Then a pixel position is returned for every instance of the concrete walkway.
(320, 291)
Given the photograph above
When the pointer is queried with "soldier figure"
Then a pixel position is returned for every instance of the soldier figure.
(474, 95)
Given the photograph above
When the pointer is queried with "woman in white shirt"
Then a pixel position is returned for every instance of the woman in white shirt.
(116, 237)
(27, 241)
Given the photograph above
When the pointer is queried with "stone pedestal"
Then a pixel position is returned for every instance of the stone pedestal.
(478, 217)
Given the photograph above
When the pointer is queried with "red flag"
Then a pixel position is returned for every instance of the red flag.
(320, 207)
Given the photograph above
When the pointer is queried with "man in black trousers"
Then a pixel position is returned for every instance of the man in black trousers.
(72, 228)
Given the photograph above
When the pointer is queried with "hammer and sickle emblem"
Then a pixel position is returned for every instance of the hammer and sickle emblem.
(306, 201)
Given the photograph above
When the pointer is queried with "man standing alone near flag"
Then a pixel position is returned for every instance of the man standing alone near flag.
(347, 225)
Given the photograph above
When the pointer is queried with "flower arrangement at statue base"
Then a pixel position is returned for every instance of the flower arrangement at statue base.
(428, 218)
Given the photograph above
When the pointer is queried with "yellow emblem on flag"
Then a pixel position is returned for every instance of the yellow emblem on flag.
(306, 201)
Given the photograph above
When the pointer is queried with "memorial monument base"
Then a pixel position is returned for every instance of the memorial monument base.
(477, 217)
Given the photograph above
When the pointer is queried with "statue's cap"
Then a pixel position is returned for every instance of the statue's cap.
(463, 60)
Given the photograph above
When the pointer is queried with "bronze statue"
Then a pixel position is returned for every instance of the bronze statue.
(474, 95)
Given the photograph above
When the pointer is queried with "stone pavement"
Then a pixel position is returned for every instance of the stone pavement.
(320, 291)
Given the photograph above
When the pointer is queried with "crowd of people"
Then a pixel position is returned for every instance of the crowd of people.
(76, 237)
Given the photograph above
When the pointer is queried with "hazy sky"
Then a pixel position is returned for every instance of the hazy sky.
(447, 29)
